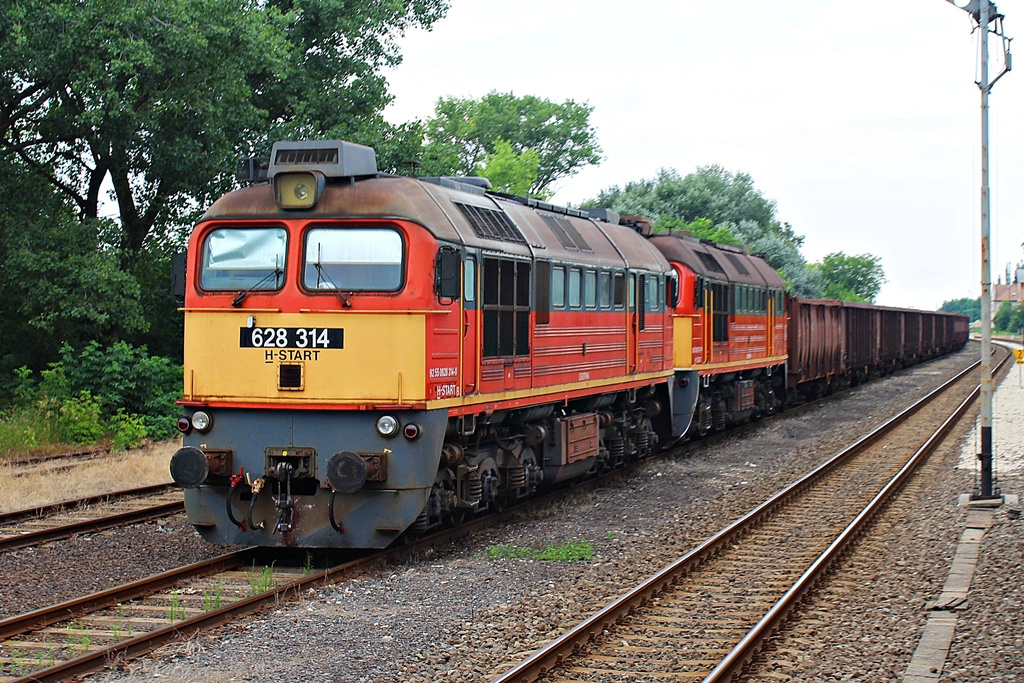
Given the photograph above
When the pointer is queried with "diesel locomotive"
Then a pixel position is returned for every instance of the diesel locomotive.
(368, 355)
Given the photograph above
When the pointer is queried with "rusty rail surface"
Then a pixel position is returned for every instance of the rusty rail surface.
(66, 530)
(563, 649)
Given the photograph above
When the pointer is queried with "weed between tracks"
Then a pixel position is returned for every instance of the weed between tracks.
(572, 551)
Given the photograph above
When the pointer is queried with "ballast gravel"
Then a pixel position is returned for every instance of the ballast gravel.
(456, 615)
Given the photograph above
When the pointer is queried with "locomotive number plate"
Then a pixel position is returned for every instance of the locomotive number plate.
(291, 338)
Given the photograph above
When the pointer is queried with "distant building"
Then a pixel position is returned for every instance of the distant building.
(1012, 292)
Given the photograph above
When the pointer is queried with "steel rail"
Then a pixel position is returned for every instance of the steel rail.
(565, 645)
(90, 525)
(742, 654)
(71, 609)
(52, 508)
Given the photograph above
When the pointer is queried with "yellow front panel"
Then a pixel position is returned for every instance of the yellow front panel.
(381, 360)
(683, 342)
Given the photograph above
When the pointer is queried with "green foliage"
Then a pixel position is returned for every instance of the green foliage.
(969, 307)
(710, 192)
(851, 278)
(1009, 317)
(701, 228)
(261, 580)
(511, 172)
(127, 431)
(463, 133)
(176, 610)
(162, 96)
(722, 206)
(572, 551)
(141, 108)
(78, 420)
(125, 379)
(121, 392)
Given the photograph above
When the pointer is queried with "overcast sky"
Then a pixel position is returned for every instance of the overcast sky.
(860, 119)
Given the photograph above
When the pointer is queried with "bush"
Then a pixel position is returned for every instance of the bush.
(121, 392)
(78, 420)
(128, 430)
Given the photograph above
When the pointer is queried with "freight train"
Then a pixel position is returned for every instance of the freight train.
(368, 355)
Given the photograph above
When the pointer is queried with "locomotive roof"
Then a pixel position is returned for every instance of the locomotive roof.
(718, 262)
(460, 216)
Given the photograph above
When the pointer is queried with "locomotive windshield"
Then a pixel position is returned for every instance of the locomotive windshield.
(353, 259)
(243, 259)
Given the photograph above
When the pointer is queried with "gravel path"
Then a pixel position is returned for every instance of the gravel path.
(458, 616)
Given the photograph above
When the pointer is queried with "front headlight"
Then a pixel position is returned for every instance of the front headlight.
(201, 421)
(387, 426)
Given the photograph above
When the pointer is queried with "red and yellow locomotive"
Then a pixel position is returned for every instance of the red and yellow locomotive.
(368, 354)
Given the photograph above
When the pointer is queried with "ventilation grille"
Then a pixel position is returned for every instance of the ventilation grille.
(491, 223)
(566, 232)
(290, 376)
(734, 260)
(710, 262)
(306, 157)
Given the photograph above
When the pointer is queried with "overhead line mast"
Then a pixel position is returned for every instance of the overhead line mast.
(984, 13)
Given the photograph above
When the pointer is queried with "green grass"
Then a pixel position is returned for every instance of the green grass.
(24, 432)
(261, 580)
(572, 551)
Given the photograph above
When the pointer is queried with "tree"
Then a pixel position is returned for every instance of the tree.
(722, 206)
(160, 97)
(969, 307)
(710, 192)
(1001, 320)
(851, 278)
(511, 172)
(463, 133)
(61, 280)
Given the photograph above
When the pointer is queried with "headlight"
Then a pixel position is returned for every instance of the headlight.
(298, 190)
(386, 425)
(201, 421)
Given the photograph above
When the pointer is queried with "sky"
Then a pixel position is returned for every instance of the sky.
(862, 123)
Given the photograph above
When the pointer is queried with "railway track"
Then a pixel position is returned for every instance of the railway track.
(86, 634)
(32, 526)
(705, 616)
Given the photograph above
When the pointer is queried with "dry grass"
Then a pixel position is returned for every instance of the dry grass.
(139, 467)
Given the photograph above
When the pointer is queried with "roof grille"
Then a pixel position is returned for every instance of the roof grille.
(733, 259)
(491, 223)
(710, 262)
(306, 156)
(566, 232)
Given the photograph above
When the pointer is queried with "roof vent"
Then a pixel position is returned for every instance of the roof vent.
(333, 158)
(606, 215)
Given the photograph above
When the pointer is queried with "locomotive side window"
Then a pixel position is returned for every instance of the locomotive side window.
(558, 287)
(721, 308)
(590, 288)
(619, 290)
(353, 259)
(469, 277)
(639, 300)
(243, 259)
(604, 289)
(506, 306)
(543, 303)
(574, 288)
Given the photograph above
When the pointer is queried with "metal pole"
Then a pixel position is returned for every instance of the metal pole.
(986, 275)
